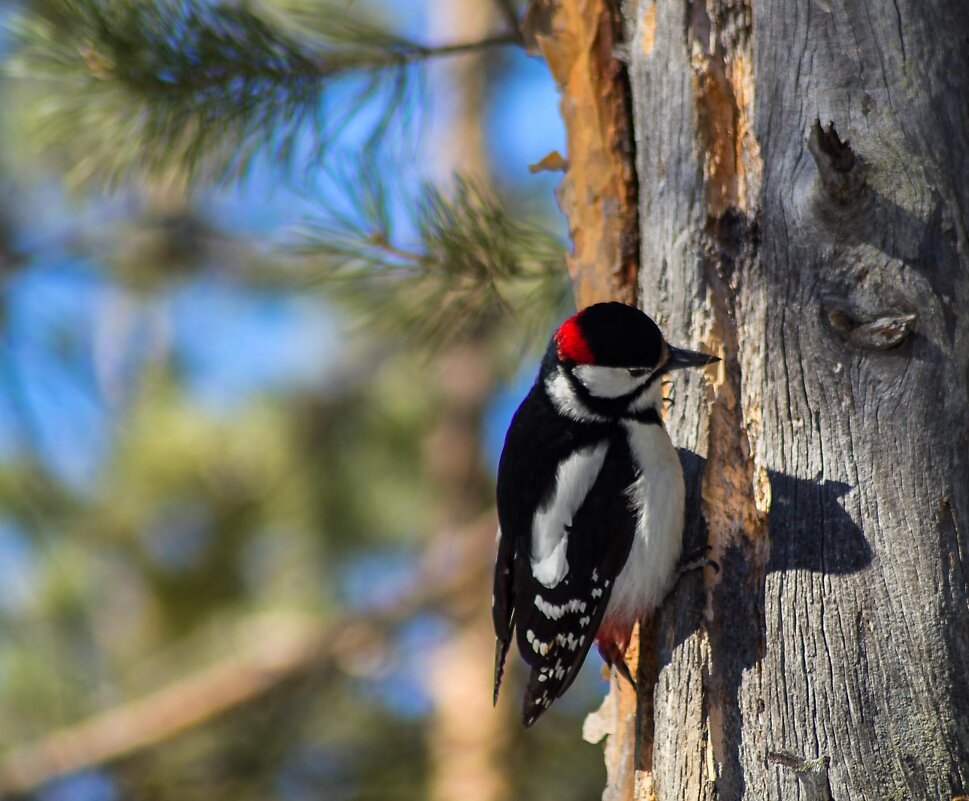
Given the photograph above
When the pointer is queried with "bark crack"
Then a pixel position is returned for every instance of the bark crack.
(811, 773)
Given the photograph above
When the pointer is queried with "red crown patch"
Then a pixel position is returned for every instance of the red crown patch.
(570, 344)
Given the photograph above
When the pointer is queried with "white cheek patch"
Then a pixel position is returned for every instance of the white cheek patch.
(550, 537)
(564, 396)
(609, 382)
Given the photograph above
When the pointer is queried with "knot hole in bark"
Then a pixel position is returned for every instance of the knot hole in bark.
(883, 332)
(842, 172)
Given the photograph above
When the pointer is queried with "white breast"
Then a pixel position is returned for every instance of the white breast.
(658, 494)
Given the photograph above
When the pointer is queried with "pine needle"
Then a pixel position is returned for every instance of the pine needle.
(185, 92)
(470, 269)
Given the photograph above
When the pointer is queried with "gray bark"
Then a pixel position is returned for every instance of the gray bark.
(830, 657)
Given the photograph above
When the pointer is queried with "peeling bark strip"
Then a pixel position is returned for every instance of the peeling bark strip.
(579, 41)
(719, 38)
(721, 59)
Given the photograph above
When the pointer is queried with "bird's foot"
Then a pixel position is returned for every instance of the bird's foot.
(623, 670)
(696, 560)
(615, 658)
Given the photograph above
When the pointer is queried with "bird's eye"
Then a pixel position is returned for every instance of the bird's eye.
(636, 372)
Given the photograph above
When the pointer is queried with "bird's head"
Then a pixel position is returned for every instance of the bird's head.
(607, 360)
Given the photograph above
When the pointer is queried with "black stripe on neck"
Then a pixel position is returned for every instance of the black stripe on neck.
(649, 416)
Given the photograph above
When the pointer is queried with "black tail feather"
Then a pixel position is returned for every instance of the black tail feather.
(501, 651)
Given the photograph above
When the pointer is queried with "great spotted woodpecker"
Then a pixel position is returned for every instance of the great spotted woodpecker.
(590, 500)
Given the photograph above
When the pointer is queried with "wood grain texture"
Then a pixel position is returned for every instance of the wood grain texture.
(829, 657)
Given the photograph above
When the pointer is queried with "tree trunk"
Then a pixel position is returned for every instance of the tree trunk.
(828, 461)
(467, 740)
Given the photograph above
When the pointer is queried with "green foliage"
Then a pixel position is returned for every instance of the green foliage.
(186, 92)
(314, 739)
(470, 269)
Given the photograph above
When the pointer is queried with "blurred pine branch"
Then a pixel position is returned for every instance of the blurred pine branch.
(184, 91)
(462, 266)
(269, 652)
(188, 93)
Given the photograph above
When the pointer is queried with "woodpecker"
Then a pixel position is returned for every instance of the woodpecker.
(590, 500)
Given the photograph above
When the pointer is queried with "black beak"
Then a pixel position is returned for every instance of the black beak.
(680, 358)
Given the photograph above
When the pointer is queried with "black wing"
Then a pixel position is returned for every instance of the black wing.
(557, 617)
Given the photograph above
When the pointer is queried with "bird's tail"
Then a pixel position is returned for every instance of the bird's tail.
(501, 651)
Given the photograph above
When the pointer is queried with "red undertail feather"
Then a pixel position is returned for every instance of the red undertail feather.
(612, 640)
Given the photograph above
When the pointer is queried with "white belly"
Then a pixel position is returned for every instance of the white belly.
(658, 494)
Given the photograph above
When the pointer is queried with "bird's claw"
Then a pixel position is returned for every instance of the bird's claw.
(695, 560)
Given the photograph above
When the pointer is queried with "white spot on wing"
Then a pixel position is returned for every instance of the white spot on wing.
(554, 612)
(573, 480)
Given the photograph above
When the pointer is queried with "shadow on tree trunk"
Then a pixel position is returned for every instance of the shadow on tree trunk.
(738, 596)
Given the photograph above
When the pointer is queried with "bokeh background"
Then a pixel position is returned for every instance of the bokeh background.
(257, 358)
